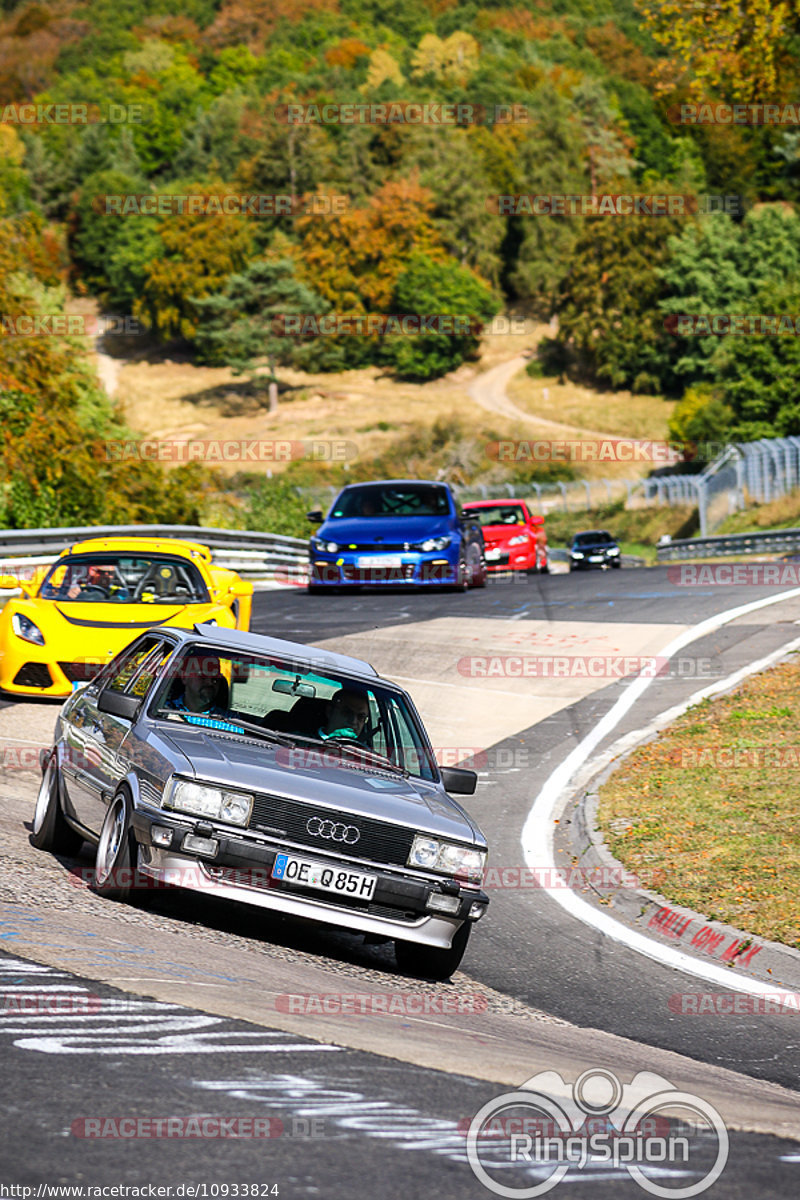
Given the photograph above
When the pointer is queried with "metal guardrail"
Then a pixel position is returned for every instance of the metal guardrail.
(249, 552)
(770, 541)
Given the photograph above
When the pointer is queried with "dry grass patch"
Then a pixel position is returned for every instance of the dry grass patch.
(710, 808)
(622, 413)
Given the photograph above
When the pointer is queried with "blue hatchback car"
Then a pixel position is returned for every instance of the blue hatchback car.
(396, 532)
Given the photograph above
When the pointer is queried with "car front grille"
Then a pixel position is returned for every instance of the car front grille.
(33, 675)
(378, 574)
(378, 841)
(79, 672)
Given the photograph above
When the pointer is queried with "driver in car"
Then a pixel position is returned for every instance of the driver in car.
(199, 687)
(99, 578)
(348, 713)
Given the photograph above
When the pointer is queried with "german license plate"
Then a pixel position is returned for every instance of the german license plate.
(379, 560)
(492, 555)
(595, 558)
(302, 872)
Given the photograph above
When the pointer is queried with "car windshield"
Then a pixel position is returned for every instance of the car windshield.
(392, 500)
(124, 579)
(499, 514)
(305, 704)
(598, 538)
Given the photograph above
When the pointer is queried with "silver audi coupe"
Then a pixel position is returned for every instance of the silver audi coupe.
(272, 773)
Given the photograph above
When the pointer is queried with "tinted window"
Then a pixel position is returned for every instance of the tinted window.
(390, 500)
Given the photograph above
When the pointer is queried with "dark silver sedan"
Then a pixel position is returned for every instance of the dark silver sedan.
(268, 772)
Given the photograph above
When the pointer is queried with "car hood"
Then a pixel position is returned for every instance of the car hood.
(117, 616)
(501, 533)
(390, 530)
(307, 773)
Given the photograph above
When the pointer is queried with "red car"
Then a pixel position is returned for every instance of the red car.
(515, 539)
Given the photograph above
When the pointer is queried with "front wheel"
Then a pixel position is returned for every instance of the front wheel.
(431, 962)
(50, 829)
(114, 861)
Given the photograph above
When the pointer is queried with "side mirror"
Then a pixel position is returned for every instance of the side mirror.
(118, 705)
(315, 516)
(458, 780)
(9, 581)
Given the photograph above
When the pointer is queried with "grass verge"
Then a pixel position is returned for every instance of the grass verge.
(710, 807)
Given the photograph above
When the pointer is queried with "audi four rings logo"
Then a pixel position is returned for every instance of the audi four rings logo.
(333, 830)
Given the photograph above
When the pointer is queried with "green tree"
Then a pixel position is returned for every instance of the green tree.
(242, 325)
(611, 330)
(431, 288)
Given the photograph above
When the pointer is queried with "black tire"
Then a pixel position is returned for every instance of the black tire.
(116, 851)
(463, 576)
(50, 829)
(616, 563)
(545, 570)
(429, 962)
(480, 571)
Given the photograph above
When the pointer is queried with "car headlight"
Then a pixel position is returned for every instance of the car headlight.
(518, 540)
(449, 858)
(24, 628)
(614, 550)
(576, 554)
(437, 543)
(202, 800)
(320, 544)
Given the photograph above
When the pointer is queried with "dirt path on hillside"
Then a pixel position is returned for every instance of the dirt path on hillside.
(489, 392)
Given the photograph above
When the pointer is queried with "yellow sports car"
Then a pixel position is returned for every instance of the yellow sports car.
(76, 614)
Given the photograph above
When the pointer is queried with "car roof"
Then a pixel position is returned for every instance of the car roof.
(397, 482)
(491, 503)
(260, 643)
(142, 545)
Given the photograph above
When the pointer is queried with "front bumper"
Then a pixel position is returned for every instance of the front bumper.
(23, 672)
(241, 869)
(405, 569)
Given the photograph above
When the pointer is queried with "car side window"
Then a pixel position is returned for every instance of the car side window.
(128, 668)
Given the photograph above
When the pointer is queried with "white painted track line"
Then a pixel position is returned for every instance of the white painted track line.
(537, 833)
